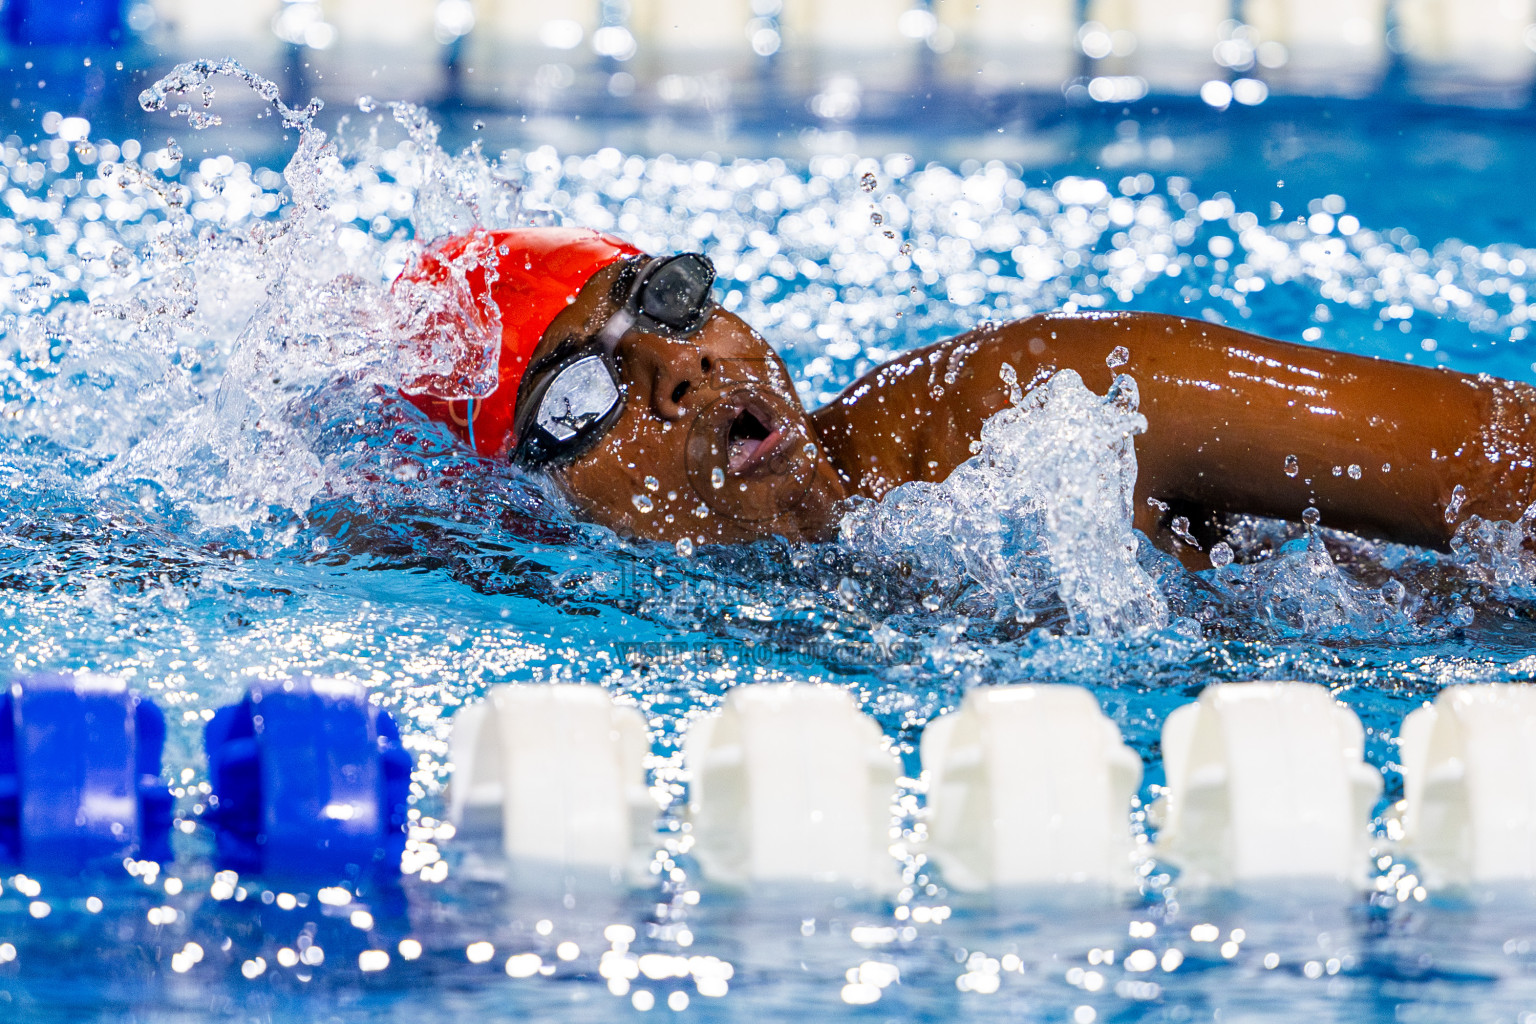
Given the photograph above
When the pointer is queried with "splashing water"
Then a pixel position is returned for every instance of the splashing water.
(242, 317)
(1043, 509)
(196, 75)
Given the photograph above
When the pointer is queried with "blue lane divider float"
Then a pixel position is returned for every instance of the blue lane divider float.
(309, 779)
(80, 773)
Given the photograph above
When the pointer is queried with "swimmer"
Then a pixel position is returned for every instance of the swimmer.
(663, 416)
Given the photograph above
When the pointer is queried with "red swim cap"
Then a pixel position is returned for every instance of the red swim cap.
(517, 281)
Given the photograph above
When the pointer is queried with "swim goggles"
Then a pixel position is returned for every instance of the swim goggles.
(572, 397)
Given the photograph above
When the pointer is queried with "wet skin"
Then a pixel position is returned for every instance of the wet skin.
(665, 470)
(1224, 409)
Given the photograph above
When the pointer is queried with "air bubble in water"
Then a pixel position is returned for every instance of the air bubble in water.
(868, 182)
(717, 478)
(1221, 554)
(1118, 357)
(1292, 465)
(367, 104)
(643, 502)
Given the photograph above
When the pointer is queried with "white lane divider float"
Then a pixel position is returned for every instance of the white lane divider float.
(1469, 781)
(791, 782)
(560, 770)
(1030, 785)
(1264, 781)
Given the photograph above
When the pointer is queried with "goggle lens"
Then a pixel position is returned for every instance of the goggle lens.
(676, 294)
(581, 393)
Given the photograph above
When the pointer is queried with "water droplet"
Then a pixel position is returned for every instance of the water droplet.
(1386, 467)
(1118, 357)
(1354, 471)
(932, 602)
(877, 217)
(810, 450)
(651, 483)
(906, 250)
(643, 502)
(868, 182)
(1221, 554)
(717, 478)
(685, 548)
(1292, 465)
(367, 104)
(1338, 470)
(1311, 516)
(1180, 528)
(172, 150)
(479, 125)
(1458, 499)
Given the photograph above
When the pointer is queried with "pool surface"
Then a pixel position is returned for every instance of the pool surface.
(210, 480)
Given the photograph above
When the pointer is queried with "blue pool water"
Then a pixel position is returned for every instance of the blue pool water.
(208, 479)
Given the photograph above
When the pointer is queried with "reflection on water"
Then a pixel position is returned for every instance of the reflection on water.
(208, 478)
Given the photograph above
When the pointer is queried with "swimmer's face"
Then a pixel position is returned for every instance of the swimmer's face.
(712, 444)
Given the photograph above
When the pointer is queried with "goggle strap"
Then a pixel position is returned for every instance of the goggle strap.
(614, 330)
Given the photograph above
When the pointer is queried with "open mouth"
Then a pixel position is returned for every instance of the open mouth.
(750, 438)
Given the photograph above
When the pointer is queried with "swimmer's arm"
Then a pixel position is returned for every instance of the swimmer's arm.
(1226, 411)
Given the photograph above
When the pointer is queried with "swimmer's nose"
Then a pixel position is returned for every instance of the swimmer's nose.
(669, 369)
